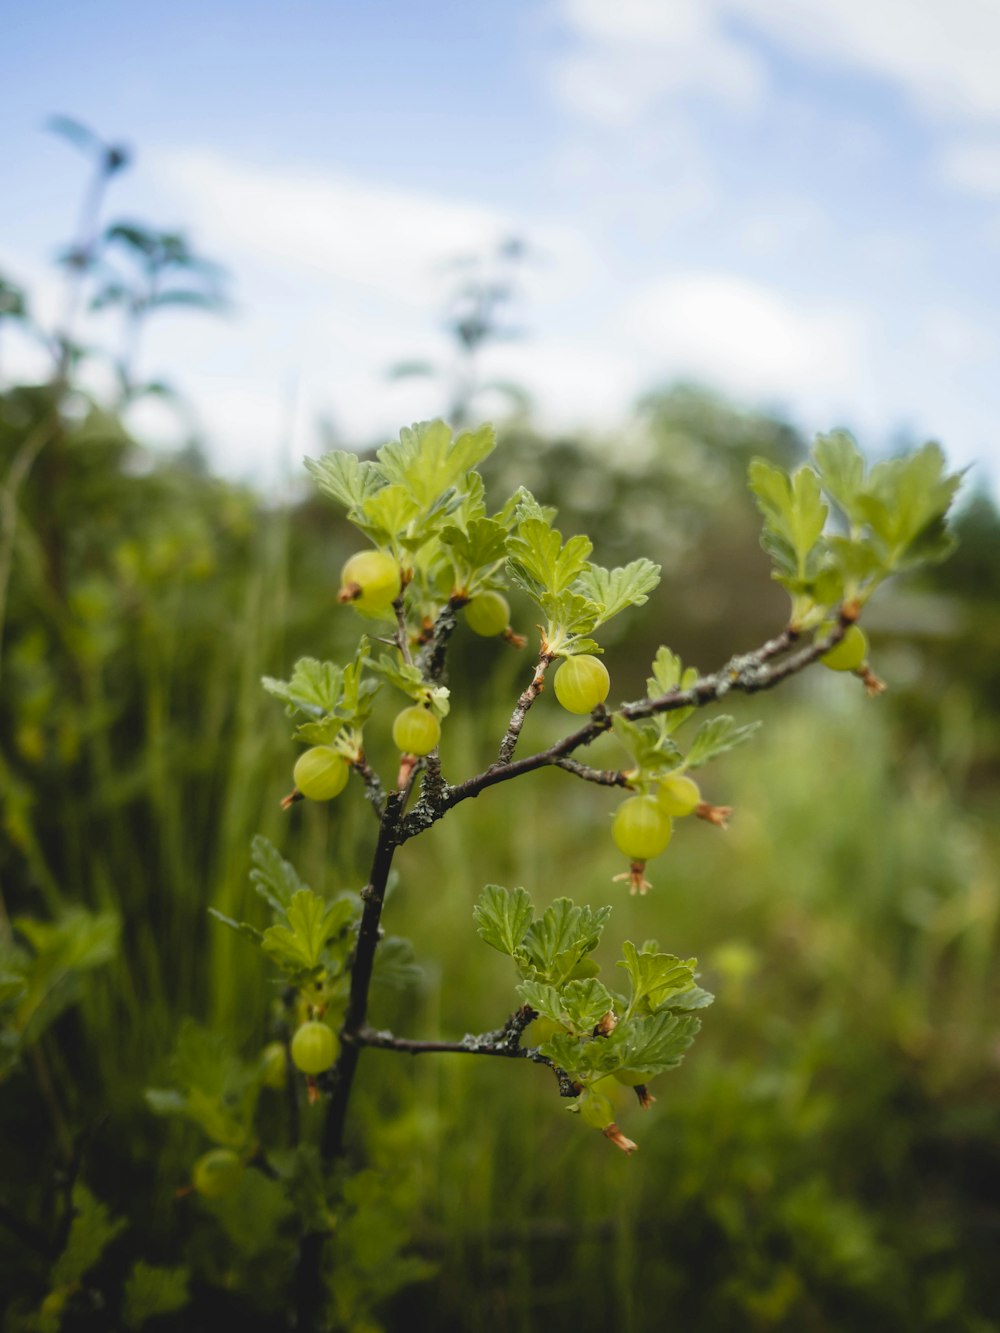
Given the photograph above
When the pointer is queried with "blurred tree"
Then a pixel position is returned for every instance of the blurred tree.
(484, 286)
(161, 271)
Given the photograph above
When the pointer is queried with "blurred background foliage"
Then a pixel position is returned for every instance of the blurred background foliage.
(828, 1158)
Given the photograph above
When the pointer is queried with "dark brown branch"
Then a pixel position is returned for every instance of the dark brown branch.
(434, 788)
(509, 742)
(747, 673)
(431, 658)
(308, 1278)
(373, 785)
(606, 777)
(402, 638)
(505, 1043)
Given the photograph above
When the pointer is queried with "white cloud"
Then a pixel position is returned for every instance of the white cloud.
(747, 337)
(955, 343)
(328, 227)
(973, 165)
(634, 54)
(333, 227)
(941, 53)
(785, 221)
(629, 59)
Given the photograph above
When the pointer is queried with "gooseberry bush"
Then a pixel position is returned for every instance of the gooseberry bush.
(437, 559)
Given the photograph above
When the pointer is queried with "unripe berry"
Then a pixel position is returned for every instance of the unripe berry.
(370, 581)
(631, 1078)
(678, 795)
(416, 730)
(595, 1109)
(581, 683)
(488, 613)
(849, 653)
(641, 829)
(314, 1047)
(321, 773)
(273, 1065)
(216, 1173)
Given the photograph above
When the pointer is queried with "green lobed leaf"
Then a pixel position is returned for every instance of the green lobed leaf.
(503, 917)
(841, 468)
(92, 1230)
(565, 932)
(76, 941)
(794, 514)
(581, 1057)
(537, 550)
(544, 999)
(241, 927)
(315, 687)
(151, 1290)
(346, 478)
(615, 589)
(572, 614)
(480, 546)
(715, 737)
(809, 512)
(312, 924)
(409, 680)
(906, 502)
(396, 967)
(523, 505)
(211, 1086)
(275, 879)
(389, 512)
(578, 1005)
(856, 559)
(657, 979)
(585, 1003)
(651, 749)
(427, 461)
(656, 1043)
(670, 674)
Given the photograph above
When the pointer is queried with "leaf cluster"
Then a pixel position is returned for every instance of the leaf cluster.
(210, 1086)
(422, 500)
(835, 530)
(336, 700)
(40, 978)
(310, 938)
(575, 595)
(596, 1029)
(651, 741)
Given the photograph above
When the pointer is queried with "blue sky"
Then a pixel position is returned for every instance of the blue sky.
(797, 201)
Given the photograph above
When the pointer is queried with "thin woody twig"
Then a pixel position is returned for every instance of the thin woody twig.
(509, 742)
(503, 1043)
(746, 673)
(402, 638)
(431, 658)
(373, 784)
(606, 777)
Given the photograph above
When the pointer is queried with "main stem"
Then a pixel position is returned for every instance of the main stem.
(309, 1278)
